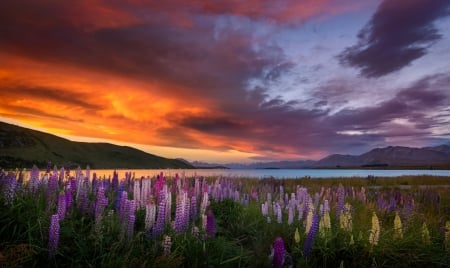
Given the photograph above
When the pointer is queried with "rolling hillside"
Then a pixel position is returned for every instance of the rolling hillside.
(22, 147)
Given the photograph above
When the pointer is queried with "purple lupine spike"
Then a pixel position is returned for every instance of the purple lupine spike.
(100, 204)
(179, 214)
(193, 208)
(52, 188)
(115, 180)
(340, 200)
(210, 224)
(62, 206)
(69, 199)
(130, 226)
(9, 187)
(161, 218)
(309, 242)
(278, 253)
(48, 167)
(392, 204)
(53, 235)
(123, 205)
(82, 199)
(34, 179)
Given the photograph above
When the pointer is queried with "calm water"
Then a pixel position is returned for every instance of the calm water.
(276, 173)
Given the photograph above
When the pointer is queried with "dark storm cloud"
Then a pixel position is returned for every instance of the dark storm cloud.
(398, 33)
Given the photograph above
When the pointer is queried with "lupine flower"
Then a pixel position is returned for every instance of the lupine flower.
(167, 245)
(204, 203)
(279, 213)
(161, 218)
(130, 225)
(48, 167)
(425, 234)
(375, 231)
(309, 242)
(52, 188)
(100, 204)
(82, 199)
(61, 206)
(69, 199)
(345, 218)
(340, 200)
(193, 208)
(9, 187)
(296, 236)
(53, 235)
(290, 215)
(34, 179)
(278, 253)
(398, 231)
(309, 220)
(150, 213)
(180, 213)
(210, 224)
(447, 234)
(325, 225)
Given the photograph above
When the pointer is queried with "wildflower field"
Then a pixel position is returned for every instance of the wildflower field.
(62, 218)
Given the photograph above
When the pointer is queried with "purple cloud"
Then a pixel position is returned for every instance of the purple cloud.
(398, 33)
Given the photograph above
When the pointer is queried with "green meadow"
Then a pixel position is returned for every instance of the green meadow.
(61, 218)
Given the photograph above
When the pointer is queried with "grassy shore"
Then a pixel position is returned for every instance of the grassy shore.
(223, 222)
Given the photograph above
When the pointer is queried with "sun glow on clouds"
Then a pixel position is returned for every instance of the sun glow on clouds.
(227, 81)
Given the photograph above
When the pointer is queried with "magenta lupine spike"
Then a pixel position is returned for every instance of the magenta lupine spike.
(278, 253)
(210, 224)
(309, 242)
(61, 206)
(53, 235)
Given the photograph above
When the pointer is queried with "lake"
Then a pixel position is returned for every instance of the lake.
(275, 173)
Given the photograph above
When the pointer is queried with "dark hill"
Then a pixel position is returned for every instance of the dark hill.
(22, 147)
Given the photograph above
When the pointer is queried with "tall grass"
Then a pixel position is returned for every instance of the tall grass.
(95, 236)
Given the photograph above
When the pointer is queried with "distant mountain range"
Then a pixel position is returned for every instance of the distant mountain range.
(388, 157)
(22, 148)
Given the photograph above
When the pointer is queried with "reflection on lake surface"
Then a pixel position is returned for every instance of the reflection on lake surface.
(275, 173)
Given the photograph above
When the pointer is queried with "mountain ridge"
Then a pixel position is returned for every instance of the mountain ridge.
(385, 157)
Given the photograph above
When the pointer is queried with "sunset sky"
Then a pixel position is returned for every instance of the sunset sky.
(232, 80)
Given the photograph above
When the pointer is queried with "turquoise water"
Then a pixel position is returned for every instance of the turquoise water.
(275, 173)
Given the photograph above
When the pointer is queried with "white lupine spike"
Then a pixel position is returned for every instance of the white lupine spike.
(150, 214)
